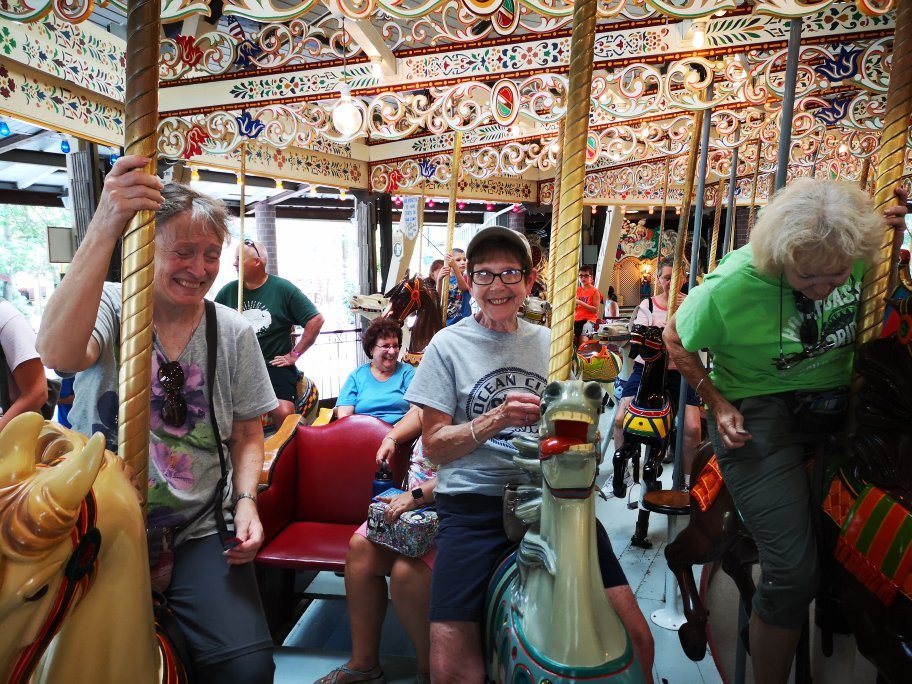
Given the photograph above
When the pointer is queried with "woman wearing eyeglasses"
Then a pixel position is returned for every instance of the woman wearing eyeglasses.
(479, 385)
(778, 316)
(378, 387)
(212, 587)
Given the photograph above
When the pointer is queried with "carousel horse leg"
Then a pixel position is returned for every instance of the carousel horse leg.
(652, 470)
(689, 548)
(629, 451)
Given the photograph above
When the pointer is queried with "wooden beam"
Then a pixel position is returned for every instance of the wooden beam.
(18, 140)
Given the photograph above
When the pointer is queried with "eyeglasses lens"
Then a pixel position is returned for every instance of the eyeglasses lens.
(509, 277)
(171, 378)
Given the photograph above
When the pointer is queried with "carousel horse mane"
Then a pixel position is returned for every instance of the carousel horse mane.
(413, 295)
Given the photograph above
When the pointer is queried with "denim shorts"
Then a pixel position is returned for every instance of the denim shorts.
(470, 544)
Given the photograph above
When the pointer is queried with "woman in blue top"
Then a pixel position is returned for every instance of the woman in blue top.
(377, 388)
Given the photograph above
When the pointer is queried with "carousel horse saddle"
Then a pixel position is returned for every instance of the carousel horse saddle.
(706, 489)
(597, 362)
(875, 539)
(648, 424)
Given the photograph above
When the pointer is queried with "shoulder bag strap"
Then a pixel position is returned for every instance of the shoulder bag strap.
(211, 360)
(4, 382)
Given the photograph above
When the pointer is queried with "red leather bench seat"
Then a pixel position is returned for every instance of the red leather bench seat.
(318, 493)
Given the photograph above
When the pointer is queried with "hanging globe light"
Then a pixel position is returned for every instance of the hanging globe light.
(346, 117)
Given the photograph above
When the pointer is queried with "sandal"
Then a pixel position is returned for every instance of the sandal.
(346, 675)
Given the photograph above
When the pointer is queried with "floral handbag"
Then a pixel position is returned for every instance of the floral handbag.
(411, 535)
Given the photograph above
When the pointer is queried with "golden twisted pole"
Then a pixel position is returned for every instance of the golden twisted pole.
(880, 280)
(658, 258)
(717, 222)
(685, 212)
(455, 167)
(555, 211)
(754, 185)
(241, 250)
(141, 115)
(572, 178)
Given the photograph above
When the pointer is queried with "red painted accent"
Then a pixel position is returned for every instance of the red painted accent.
(886, 533)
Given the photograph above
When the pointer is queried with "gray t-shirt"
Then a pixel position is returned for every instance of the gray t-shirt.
(183, 461)
(468, 369)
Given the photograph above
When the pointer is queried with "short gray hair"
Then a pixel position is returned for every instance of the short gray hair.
(816, 221)
(207, 210)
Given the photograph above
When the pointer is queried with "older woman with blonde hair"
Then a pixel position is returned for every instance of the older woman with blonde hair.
(779, 316)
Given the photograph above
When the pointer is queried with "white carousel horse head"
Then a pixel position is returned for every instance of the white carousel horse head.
(535, 309)
(370, 306)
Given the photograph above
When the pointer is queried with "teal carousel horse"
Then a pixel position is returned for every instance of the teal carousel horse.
(547, 615)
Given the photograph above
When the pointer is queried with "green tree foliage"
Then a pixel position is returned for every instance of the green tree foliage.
(23, 237)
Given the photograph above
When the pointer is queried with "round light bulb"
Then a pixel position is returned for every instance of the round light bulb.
(65, 146)
(279, 184)
(346, 117)
(313, 191)
(699, 36)
(489, 207)
(194, 175)
(4, 129)
(342, 194)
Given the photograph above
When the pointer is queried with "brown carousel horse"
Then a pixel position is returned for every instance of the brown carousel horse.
(75, 594)
(648, 421)
(415, 296)
(864, 526)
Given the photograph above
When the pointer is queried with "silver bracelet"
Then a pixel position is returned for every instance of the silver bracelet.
(472, 430)
(244, 495)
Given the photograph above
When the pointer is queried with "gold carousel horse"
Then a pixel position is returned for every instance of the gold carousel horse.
(74, 578)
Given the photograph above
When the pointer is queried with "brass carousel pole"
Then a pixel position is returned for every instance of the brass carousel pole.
(572, 178)
(685, 211)
(880, 280)
(555, 211)
(728, 237)
(717, 223)
(658, 258)
(753, 205)
(141, 109)
(241, 250)
(455, 166)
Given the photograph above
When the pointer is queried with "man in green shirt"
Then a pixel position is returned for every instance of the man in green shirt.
(273, 306)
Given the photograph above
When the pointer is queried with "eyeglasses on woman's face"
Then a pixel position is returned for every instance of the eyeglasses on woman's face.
(511, 276)
(388, 347)
(174, 410)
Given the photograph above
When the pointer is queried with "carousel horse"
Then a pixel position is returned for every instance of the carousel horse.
(414, 296)
(648, 421)
(864, 526)
(75, 596)
(535, 310)
(547, 616)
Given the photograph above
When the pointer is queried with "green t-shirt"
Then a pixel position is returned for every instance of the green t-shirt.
(735, 313)
(272, 309)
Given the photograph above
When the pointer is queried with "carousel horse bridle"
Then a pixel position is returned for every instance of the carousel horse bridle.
(78, 576)
(413, 287)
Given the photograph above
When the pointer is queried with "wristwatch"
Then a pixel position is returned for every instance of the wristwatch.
(417, 494)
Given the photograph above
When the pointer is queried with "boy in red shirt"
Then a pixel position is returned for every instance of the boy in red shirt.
(588, 299)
